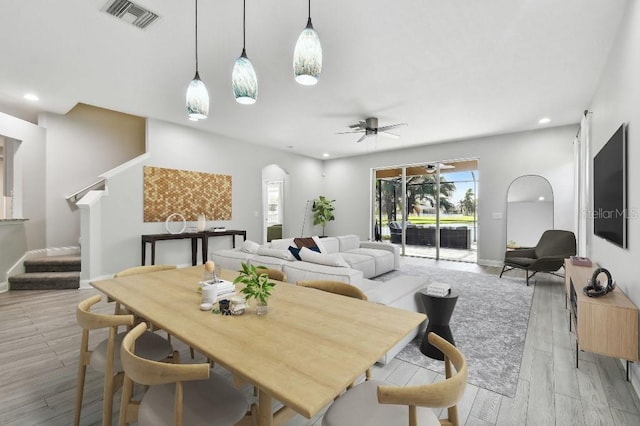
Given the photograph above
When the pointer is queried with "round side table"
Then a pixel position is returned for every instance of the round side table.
(439, 311)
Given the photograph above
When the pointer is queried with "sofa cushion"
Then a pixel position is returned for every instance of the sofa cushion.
(349, 242)
(230, 259)
(280, 254)
(383, 259)
(249, 247)
(268, 261)
(306, 271)
(361, 262)
(334, 259)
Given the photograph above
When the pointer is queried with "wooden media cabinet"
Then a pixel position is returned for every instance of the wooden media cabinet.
(606, 325)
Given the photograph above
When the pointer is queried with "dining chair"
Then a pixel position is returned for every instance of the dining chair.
(340, 288)
(135, 271)
(373, 403)
(144, 270)
(105, 357)
(336, 287)
(177, 394)
(274, 274)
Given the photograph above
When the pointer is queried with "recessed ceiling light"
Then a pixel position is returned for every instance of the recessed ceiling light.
(540, 198)
(325, 155)
(31, 97)
(544, 120)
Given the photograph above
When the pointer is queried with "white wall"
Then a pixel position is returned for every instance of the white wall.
(617, 100)
(501, 159)
(30, 191)
(183, 148)
(81, 145)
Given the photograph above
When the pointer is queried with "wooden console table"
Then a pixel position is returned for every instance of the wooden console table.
(606, 325)
(193, 236)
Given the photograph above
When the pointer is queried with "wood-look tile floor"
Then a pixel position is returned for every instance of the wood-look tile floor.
(39, 341)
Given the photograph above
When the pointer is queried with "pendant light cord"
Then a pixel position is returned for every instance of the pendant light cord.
(309, 9)
(244, 19)
(196, 36)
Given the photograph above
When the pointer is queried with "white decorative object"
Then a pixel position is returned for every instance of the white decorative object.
(209, 293)
(175, 230)
(202, 222)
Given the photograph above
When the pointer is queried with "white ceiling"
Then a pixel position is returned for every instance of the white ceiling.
(451, 69)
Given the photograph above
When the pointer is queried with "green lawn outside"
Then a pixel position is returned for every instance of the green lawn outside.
(431, 220)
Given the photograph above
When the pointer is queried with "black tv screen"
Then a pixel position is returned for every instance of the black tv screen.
(610, 189)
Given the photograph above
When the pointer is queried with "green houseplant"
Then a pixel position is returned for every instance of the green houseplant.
(322, 212)
(256, 286)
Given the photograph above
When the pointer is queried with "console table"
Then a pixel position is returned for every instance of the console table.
(193, 236)
(606, 325)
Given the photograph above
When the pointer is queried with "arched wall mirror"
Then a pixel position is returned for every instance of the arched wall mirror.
(529, 210)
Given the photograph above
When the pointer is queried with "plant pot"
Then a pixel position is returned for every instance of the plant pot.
(262, 308)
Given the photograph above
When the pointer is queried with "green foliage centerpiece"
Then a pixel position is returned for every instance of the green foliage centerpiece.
(256, 286)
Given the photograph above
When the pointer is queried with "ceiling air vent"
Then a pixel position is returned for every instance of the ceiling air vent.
(130, 12)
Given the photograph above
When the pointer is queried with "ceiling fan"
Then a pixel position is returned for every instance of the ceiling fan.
(370, 128)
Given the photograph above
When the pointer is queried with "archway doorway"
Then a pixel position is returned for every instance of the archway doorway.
(274, 184)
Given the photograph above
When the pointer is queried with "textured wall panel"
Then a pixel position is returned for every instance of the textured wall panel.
(168, 191)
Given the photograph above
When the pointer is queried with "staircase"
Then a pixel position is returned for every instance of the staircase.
(48, 273)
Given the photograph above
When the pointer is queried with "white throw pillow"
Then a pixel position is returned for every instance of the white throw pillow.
(319, 244)
(250, 247)
(334, 259)
(271, 252)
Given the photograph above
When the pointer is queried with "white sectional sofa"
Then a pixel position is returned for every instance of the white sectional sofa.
(361, 260)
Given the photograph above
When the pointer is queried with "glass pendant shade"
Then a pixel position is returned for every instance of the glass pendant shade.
(244, 80)
(307, 57)
(197, 99)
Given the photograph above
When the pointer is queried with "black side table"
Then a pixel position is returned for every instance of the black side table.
(439, 311)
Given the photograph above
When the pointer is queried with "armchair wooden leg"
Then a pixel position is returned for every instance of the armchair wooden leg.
(503, 268)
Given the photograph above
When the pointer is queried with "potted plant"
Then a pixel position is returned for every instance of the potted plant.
(256, 286)
(322, 212)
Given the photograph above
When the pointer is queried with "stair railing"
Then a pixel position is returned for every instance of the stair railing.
(73, 199)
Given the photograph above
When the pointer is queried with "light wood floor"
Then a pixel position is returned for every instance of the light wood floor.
(39, 340)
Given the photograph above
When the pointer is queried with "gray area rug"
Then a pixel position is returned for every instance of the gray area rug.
(489, 324)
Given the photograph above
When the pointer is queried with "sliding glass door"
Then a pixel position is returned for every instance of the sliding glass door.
(428, 210)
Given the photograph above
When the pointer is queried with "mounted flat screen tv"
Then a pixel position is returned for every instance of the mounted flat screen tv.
(610, 189)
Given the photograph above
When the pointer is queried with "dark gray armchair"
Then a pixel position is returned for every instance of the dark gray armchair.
(547, 256)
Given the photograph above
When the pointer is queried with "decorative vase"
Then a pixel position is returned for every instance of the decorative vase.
(202, 222)
(262, 308)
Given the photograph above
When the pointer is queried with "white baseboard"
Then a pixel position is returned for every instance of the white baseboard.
(86, 284)
(489, 262)
(4, 287)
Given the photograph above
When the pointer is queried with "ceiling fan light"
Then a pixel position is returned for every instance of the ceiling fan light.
(307, 57)
(197, 99)
(244, 81)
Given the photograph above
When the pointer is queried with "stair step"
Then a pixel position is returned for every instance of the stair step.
(67, 263)
(45, 281)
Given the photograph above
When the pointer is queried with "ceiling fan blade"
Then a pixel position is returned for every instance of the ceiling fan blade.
(389, 135)
(348, 133)
(392, 126)
(360, 125)
(363, 137)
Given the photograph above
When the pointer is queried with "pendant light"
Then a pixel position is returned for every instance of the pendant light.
(243, 78)
(307, 56)
(197, 95)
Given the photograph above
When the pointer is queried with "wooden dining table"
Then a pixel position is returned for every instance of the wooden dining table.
(303, 353)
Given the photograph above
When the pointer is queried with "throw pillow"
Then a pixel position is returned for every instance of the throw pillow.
(305, 242)
(319, 244)
(295, 251)
(334, 259)
(271, 252)
(250, 247)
